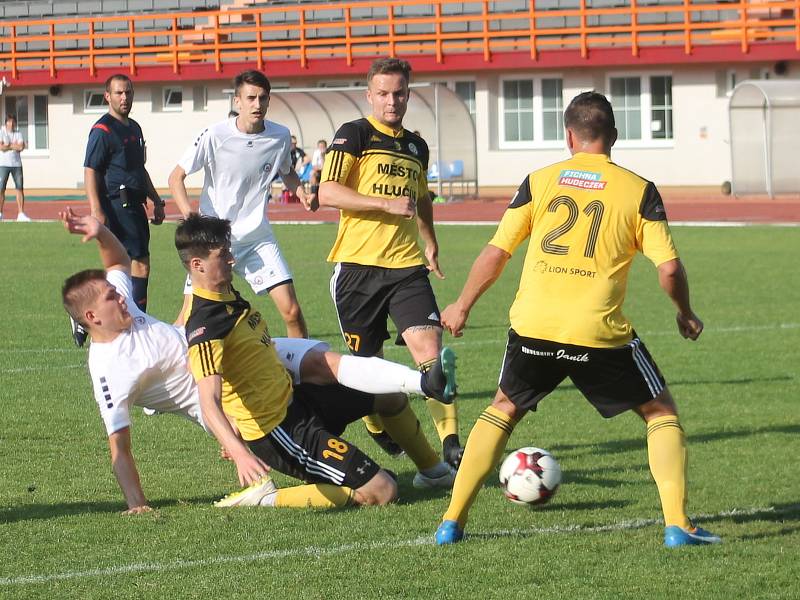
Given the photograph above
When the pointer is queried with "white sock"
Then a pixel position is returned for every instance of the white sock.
(268, 500)
(377, 376)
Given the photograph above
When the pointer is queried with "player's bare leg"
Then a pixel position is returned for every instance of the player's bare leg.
(285, 300)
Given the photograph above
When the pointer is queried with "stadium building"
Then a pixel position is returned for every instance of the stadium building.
(494, 76)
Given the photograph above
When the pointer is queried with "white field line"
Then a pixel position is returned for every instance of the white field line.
(644, 335)
(358, 547)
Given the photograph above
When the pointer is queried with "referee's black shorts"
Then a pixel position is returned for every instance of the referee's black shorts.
(127, 219)
(613, 380)
(306, 444)
(366, 296)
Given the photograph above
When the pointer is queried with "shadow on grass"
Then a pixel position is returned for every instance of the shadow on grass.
(489, 395)
(640, 442)
(30, 512)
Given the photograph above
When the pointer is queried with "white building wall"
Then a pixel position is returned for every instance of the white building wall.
(698, 154)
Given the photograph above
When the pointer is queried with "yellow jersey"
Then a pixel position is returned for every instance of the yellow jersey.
(586, 219)
(373, 160)
(227, 338)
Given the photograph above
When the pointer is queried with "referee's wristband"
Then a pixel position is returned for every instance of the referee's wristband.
(160, 203)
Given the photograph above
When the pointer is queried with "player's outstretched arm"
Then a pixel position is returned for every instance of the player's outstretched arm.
(484, 272)
(249, 467)
(91, 181)
(673, 280)
(112, 253)
(177, 188)
(125, 471)
(336, 195)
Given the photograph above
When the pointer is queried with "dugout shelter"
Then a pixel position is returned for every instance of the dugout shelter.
(435, 111)
(765, 126)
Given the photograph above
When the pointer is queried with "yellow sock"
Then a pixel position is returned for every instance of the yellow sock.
(405, 430)
(373, 423)
(666, 452)
(445, 417)
(485, 445)
(320, 495)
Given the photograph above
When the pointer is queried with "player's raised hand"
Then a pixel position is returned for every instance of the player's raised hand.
(85, 225)
(454, 319)
(690, 326)
(404, 206)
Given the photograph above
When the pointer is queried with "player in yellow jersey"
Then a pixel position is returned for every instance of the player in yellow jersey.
(586, 219)
(294, 429)
(374, 172)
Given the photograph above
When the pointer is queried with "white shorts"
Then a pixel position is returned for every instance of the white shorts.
(292, 350)
(261, 264)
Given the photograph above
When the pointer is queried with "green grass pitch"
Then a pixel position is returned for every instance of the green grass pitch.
(62, 536)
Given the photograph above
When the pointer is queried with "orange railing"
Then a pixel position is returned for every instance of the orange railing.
(348, 30)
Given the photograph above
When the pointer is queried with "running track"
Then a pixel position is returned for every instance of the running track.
(682, 206)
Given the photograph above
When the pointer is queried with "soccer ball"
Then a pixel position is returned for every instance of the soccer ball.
(530, 476)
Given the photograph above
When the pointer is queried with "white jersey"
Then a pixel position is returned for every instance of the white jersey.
(145, 366)
(10, 158)
(239, 170)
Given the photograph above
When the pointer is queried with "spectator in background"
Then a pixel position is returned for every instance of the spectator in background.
(11, 144)
(318, 158)
(298, 155)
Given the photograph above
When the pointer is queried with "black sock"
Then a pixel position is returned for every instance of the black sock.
(140, 292)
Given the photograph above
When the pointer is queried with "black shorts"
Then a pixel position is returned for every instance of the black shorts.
(306, 444)
(127, 219)
(613, 380)
(365, 296)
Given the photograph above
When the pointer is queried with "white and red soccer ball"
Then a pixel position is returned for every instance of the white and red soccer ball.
(530, 476)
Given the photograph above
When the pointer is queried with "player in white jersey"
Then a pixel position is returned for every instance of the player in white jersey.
(137, 360)
(241, 157)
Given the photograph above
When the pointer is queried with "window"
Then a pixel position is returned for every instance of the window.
(518, 111)
(94, 101)
(173, 99)
(31, 114)
(200, 98)
(532, 113)
(552, 109)
(466, 91)
(627, 102)
(661, 107)
(643, 108)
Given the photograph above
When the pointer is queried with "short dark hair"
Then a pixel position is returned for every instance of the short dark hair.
(11, 117)
(384, 66)
(252, 77)
(197, 235)
(117, 77)
(77, 293)
(590, 116)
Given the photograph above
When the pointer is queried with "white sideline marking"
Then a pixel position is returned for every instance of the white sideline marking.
(317, 551)
(42, 368)
(644, 334)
